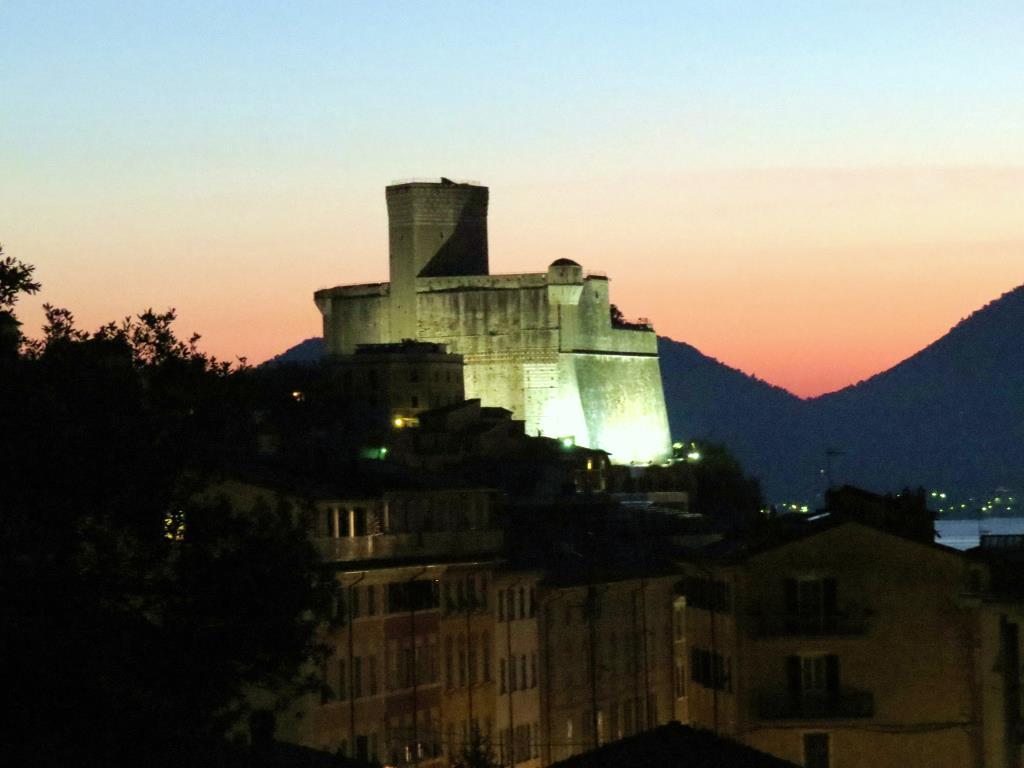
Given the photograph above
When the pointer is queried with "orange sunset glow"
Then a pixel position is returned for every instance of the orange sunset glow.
(810, 212)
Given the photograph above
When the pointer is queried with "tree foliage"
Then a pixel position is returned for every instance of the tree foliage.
(15, 279)
(140, 608)
(721, 489)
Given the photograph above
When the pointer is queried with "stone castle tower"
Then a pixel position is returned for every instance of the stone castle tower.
(540, 344)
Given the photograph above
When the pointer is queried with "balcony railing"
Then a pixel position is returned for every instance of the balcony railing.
(787, 705)
(396, 546)
(849, 622)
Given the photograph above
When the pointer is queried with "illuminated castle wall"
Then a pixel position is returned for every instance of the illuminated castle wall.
(540, 344)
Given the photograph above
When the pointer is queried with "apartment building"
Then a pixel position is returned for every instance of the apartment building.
(608, 652)
(517, 740)
(840, 646)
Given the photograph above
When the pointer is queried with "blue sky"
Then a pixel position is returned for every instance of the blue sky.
(240, 140)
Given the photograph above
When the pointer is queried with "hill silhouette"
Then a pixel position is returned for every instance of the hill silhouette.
(949, 417)
(303, 353)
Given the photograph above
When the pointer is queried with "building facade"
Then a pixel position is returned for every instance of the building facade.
(608, 652)
(847, 647)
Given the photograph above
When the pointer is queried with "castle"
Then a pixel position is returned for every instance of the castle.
(542, 344)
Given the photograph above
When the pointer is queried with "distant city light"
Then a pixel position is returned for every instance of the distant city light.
(174, 525)
(693, 456)
(298, 396)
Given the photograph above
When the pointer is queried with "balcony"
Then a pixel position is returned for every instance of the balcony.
(786, 705)
(849, 622)
(400, 546)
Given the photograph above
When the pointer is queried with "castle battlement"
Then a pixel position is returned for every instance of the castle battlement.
(540, 344)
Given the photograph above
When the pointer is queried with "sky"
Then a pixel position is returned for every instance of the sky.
(809, 192)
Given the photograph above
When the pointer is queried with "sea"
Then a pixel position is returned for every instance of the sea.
(964, 534)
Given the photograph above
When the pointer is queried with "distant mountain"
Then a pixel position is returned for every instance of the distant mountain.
(303, 353)
(761, 424)
(949, 417)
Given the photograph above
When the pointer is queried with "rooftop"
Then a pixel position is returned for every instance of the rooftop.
(675, 746)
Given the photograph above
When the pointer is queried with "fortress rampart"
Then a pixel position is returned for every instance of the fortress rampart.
(540, 344)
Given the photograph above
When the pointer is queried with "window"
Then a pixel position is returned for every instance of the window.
(393, 660)
(371, 601)
(678, 620)
(533, 670)
(711, 595)
(359, 519)
(501, 675)
(501, 605)
(816, 750)
(472, 660)
(810, 604)
(486, 642)
(511, 673)
(522, 672)
(342, 682)
(533, 602)
(813, 676)
(462, 662)
(522, 604)
(403, 597)
(711, 670)
(357, 677)
(449, 678)
(372, 676)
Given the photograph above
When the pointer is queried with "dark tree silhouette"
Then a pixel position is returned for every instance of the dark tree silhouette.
(15, 279)
(137, 611)
(721, 489)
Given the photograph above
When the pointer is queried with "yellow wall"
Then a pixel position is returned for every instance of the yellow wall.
(915, 655)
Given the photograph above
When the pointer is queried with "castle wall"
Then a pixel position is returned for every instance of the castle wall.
(355, 315)
(561, 368)
(622, 399)
(503, 334)
(587, 326)
(540, 344)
